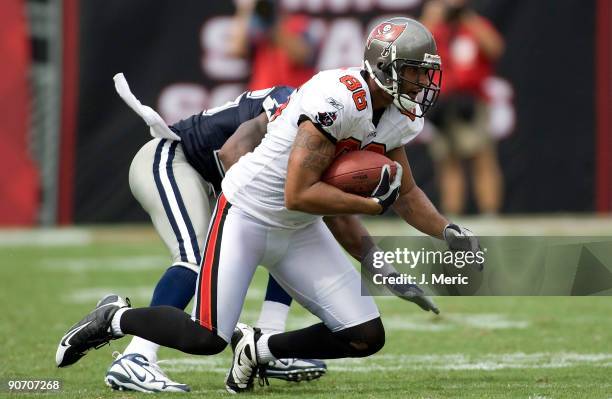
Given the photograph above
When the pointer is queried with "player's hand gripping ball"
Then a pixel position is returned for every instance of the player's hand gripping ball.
(358, 172)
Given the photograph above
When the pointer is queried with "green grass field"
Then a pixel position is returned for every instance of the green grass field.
(498, 347)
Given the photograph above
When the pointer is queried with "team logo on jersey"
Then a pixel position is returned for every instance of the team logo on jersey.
(334, 103)
(327, 118)
(386, 33)
(270, 105)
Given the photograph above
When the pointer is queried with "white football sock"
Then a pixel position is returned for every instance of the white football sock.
(273, 317)
(141, 346)
(116, 322)
(264, 355)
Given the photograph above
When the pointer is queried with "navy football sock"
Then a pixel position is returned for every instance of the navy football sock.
(175, 288)
(276, 293)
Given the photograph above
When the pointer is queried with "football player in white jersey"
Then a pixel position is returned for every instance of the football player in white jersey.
(270, 214)
(175, 177)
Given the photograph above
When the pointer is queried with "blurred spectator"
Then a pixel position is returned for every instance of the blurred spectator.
(279, 45)
(468, 44)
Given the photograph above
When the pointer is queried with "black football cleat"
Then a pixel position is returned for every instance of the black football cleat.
(93, 331)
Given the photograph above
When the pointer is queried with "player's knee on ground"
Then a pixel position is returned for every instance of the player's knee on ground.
(363, 339)
(198, 340)
(203, 344)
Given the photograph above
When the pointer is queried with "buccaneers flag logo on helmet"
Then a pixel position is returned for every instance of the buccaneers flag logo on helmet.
(386, 33)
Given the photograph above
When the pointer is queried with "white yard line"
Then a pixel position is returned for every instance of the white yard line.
(554, 225)
(417, 322)
(123, 263)
(530, 225)
(93, 294)
(136, 293)
(51, 237)
(485, 362)
(490, 321)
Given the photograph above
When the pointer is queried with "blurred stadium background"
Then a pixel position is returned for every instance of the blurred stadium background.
(68, 139)
(70, 228)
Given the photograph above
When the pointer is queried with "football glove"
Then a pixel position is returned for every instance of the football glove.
(407, 292)
(412, 293)
(461, 239)
(387, 191)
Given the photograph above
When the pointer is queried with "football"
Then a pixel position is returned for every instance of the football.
(357, 172)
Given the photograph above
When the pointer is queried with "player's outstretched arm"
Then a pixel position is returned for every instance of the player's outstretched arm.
(356, 240)
(415, 208)
(248, 136)
(351, 234)
(310, 156)
(412, 205)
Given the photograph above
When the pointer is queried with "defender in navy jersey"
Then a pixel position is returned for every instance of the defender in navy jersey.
(202, 135)
(175, 177)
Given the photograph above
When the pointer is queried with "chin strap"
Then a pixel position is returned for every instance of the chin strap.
(403, 104)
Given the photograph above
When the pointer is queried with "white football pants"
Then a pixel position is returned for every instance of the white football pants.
(308, 263)
(176, 197)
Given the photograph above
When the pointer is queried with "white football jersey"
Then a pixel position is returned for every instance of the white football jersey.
(338, 102)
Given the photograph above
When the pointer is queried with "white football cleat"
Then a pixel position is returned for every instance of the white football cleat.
(295, 370)
(133, 372)
(244, 363)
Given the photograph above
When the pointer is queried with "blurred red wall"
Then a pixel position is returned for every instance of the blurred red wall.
(19, 184)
